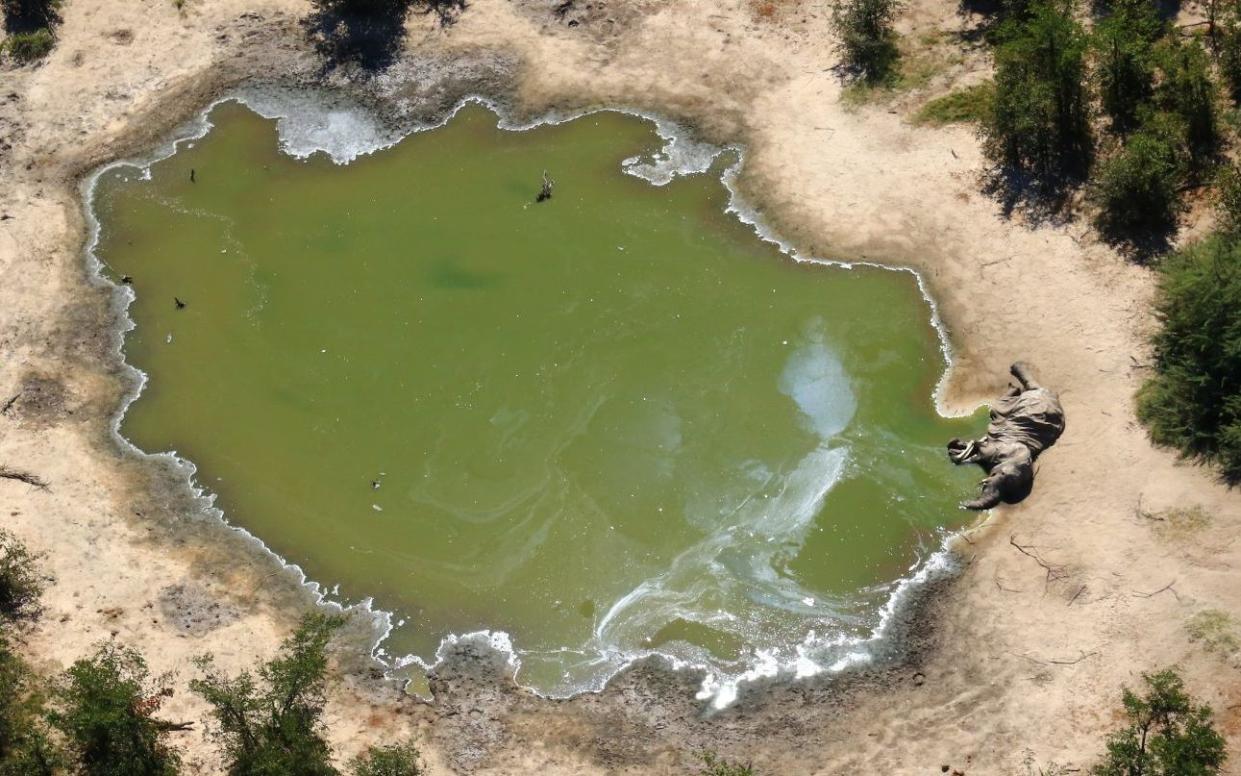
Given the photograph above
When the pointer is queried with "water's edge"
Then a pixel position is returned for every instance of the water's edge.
(313, 121)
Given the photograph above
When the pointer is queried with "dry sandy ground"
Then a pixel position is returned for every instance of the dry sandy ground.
(1023, 651)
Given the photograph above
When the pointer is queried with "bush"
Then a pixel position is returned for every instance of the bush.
(973, 103)
(272, 726)
(866, 37)
(1167, 734)
(713, 765)
(105, 707)
(1137, 189)
(1123, 52)
(395, 760)
(27, 47)
(1187, 91)
(1039, 122)
(1194, 400)
(1228, 42)
(1228, 201)
(20, 584)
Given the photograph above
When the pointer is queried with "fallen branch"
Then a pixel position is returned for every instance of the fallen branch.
(1079, 659)
(30, 479)
(1165, 589)
(8, 405)
(1080, 590)
(1054, 573)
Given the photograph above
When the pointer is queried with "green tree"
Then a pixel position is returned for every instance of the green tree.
(1188, 91)
(867, 40)
(20, 583)
(1193, 401)
(394, 760)
(1039, 121)
(105, 707)
(1228, 47)
(1137, 189)
(271, 726)
(1125, 68)
(1167, 734)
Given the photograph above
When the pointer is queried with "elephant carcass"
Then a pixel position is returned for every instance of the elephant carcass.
(1025, 421)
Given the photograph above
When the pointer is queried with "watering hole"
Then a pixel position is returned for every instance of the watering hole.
(609, 425)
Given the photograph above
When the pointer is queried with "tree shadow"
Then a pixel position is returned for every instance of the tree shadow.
(369, 35)
(1140, 245)
(30, 15)
(1046, 199)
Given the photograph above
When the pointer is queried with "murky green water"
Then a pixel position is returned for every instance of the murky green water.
(606, 424)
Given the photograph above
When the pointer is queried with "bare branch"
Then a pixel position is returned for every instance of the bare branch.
(30, 479)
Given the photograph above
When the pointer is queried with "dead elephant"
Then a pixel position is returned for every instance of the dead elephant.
(1025, 421)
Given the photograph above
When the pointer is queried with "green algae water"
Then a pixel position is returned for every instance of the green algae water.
(613, 424)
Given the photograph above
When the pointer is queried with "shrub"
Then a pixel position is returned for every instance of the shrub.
(27, 47)
(1228, 201)
(395, 760)
(105, 707)
(1137, 189)
(1186, 90)
(713, 765)
(1123, 52)
(1193, 402)
(866, 37)
(1039, 118)
(20, 583)
(973, 103)
(273, 725)
(1167, 734)
(1228, 42)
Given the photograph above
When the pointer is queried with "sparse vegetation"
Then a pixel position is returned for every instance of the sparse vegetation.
(864, 28)
(1193, 402)
(1216, 630)
(395, 760)
(1167, 734)
(714, 765)
(271, 724)
(971, 104)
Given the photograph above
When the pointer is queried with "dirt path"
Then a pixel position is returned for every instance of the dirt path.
(1018, 653)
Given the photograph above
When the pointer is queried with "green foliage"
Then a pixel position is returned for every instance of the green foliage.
(1228, 201)
(27, 47)
(971, 104)
(1039, 121)
(1137, 188)
(1228, 42)
(866, 37)
(1193, 402)
(713, 765)
(271, 726)
(394, 760)
(20, 584)
(1167, 734)
(1187, 91)
(1122, 45)
(105, 707)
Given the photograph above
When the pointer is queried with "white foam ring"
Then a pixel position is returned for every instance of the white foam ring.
(316, 121)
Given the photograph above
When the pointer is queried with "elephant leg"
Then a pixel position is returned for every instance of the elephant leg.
(988, 497)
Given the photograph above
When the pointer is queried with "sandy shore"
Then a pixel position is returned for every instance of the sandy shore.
(1017, 653)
